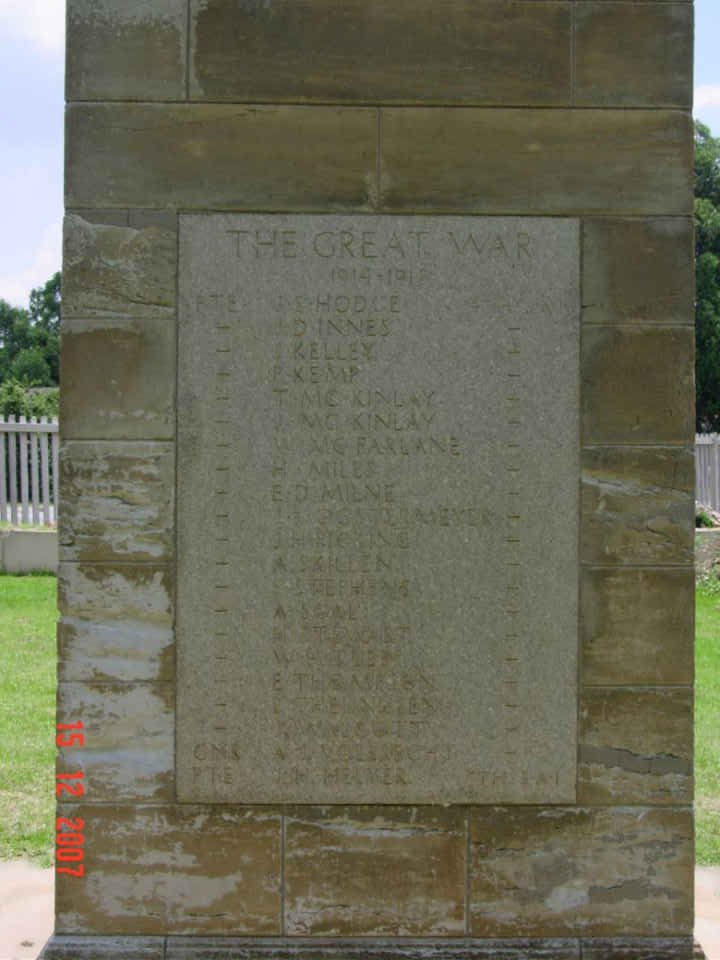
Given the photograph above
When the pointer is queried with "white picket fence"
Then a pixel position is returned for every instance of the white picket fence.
(707, 469)
(28, 470)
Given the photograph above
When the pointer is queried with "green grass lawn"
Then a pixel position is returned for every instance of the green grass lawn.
(4, 525)
(27, 721)
(27, 717)
(707, 723)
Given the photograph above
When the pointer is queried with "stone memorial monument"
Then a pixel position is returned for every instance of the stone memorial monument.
(377, 481)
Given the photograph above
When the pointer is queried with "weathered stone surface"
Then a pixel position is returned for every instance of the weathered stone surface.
(126, 51)
(129, 739)
(637, 505)
(118, 379)
(117, 501)
(364, 51)
(118, 271)
(561, 871)
(637, 626)
(200, 156)
(637, 385)
(633, 54)
(173, 869)
(116, 623)
(636, 746)
(118, 368)
(235, 948)
(564, 162)
(398, 480)
(638, 271)
(104, 948)
(375, 871)
(707, 551)
(627, 948)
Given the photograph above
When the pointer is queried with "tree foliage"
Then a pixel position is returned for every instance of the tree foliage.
(707, 278)
(18, 401)
(30, 338)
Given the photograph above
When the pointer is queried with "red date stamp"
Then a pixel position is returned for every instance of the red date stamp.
(69, 837)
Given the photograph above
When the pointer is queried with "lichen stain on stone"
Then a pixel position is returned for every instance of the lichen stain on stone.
(614, 785)
(656, 765)
(119, 500)
(628, 890)
(372, 833)
(563, 899)
(311, 917)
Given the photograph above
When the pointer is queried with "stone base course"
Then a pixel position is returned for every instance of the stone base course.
(362, 871)
(230, 948)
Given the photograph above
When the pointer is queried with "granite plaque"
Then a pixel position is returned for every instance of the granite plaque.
(378, 471)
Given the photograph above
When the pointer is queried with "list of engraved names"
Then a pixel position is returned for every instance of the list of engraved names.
(377, 509)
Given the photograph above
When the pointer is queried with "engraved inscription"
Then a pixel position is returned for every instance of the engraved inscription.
(377, 509)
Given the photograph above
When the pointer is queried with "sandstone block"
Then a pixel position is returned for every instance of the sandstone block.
(363, 51)
(129, 739)
(637, 385)
(636, 746)
(561, 871)
(116, 623)
(118, 379)
(173, 869)
(118, 271)
(637, 505)
(638, 271)
(375, 871)
(637, 626)
(633, 54)
(117, 501)
(200, 156)
(118, 369)
(564, 162)
(126, 51)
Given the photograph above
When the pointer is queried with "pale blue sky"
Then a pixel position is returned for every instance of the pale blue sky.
(31, 131)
